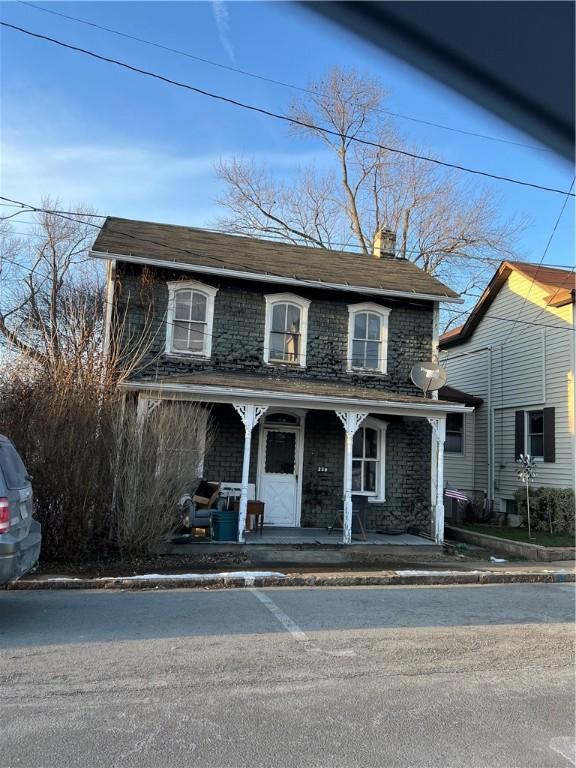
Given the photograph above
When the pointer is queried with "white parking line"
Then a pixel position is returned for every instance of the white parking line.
(291, 627)
(565, 746)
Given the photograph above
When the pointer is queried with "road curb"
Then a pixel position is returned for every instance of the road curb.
(437, 578)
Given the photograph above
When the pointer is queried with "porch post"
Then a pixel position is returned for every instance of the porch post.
(438, 437)
(250, 415)
(351, 420)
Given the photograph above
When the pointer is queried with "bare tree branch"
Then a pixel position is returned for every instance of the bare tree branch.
(450, 228)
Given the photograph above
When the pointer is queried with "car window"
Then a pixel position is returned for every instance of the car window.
(13, 468)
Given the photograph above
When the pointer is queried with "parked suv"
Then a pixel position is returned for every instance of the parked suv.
(20, 534)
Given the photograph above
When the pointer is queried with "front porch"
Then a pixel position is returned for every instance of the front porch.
(308, 547)
(321, 454)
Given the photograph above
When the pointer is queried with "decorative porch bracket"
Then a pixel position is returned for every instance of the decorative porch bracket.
(351, 420)
(145, 407)
(250, 415)
(437, 475)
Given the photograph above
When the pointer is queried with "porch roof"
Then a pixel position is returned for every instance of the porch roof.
(220, 386)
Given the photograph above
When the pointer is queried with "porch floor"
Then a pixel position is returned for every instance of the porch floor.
(278, 535)
(273, 535)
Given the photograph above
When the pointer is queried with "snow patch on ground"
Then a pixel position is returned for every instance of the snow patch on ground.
(63, 578)
(434, 573)
(246, 575)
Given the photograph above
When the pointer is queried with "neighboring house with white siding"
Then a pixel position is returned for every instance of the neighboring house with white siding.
(516, 351)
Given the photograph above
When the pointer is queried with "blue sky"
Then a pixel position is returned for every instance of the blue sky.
(87, 132)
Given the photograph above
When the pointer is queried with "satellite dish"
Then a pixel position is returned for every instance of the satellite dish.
(428, 376)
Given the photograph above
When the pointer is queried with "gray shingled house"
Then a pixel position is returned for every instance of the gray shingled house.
(302, 357)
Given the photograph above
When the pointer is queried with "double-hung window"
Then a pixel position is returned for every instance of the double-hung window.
(368, 450)
(189, 318)
(535, 434)
(368, 338)
(286, 329)
(454, 433)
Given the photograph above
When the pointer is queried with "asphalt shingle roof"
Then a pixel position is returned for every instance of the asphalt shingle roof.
(285, 384)
(197, 247)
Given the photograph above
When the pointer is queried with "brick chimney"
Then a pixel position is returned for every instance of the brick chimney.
(384, 244)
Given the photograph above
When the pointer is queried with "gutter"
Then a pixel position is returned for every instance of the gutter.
(369, 406)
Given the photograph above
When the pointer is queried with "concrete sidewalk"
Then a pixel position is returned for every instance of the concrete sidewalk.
(422, 573)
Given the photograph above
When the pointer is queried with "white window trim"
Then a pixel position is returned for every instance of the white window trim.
(383, 312)
(463, 451)
(378, 496)
(527, 433)
(210, 292)
(303, 304)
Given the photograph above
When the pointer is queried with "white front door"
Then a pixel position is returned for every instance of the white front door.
(279, 470)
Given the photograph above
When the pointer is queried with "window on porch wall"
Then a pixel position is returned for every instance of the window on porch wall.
(366, 461)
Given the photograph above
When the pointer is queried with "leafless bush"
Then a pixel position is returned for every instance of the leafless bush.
(101, 485)
(159, 459)
(61, 427)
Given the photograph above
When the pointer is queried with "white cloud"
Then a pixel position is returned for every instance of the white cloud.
(136, 181)
(223, 23)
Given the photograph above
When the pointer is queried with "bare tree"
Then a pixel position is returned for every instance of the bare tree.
(449, 227)
(52, 293)
(52, 302)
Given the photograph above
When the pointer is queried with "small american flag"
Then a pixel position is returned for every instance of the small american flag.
(453, 493)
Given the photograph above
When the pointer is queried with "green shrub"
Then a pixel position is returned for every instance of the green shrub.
(545, 503)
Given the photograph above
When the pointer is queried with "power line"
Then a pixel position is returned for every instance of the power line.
(279, 116)
(27, 208)
(540, 263)
(271, 80)
(31, 208)
(185, 250)
(524, 322)
(305, 281)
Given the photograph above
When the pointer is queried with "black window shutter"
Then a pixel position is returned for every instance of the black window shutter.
(519, 442)
(549, 434)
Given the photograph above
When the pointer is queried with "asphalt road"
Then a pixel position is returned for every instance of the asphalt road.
(398, 676)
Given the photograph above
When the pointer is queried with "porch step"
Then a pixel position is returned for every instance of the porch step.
(302, 553)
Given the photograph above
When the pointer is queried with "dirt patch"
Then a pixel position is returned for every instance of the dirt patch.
(199, 563)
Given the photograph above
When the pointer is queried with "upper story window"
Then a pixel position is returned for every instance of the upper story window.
(286, 329)
(454, 433)
(368, 338)
(189, 318)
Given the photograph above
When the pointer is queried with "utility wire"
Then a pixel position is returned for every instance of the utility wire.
(524, 322)
(540, 263)
(271, 80)
(64, 214)
(279, 116)
(188, 252)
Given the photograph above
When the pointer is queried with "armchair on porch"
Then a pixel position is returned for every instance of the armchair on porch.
(198, 508)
